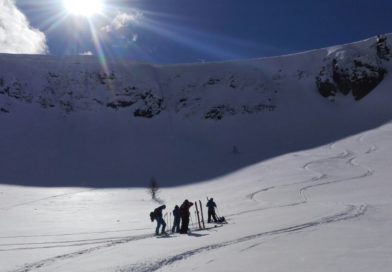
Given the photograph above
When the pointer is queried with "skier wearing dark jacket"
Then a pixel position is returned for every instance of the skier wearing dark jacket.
(211, 210)
(177, 219)
(184, 212)
(159, 218)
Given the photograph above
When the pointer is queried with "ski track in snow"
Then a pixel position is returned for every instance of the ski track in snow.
(70, 234)
(349, 158)
(266, 208)
(49, 261)
(347, 155)
(251, 196)
(43, 199)
(57, 244)
(321, 179)
(350, 213)
(350, 161)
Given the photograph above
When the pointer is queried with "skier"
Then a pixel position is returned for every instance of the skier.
(211, 210)
(177, 219)
(157, 215)
(184, 212)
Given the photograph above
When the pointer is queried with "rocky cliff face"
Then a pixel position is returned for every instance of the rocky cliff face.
(356, 71)
(145, 90)
(86, 90)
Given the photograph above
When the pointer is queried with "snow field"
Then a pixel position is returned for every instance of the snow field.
(320, 212)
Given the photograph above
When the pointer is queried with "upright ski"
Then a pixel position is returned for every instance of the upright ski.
(202, 216)
(198, 217)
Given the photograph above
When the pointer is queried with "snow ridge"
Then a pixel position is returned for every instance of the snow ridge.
(68, 122)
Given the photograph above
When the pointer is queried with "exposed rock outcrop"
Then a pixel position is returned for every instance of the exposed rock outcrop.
(353, 71)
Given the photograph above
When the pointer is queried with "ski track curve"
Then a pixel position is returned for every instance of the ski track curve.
(251, 196)
(350, 158)
(319, 177)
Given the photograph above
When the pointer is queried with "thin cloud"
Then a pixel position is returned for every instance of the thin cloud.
(122, 20)
(16, 34)
(122, 30)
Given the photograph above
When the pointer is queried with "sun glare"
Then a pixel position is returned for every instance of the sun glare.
(85, 8)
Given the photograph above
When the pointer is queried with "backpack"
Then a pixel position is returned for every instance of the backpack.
(221, 220)
(152, 216)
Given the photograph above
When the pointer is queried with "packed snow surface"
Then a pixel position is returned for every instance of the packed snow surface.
(302, 180)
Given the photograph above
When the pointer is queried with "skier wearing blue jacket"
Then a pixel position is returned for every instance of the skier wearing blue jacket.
(157, 215)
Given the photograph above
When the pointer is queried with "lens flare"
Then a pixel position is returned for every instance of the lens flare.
(85, 8)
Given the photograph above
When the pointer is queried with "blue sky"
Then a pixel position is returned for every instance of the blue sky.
(177, 31)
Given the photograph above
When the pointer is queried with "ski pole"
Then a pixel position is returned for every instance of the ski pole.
(191, 220)
(170, 220)
(165, 217)
(217, 212)
(194, 224)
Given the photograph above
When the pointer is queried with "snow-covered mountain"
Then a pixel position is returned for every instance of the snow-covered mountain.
(80, 121)
(308, 135)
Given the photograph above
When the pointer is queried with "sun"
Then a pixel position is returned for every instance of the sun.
(86, 8)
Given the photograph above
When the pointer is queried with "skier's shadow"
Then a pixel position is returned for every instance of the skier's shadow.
(165, 237)
(196, 234)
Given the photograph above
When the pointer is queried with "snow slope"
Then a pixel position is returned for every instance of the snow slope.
(314, 195)
(324, 209)
(71, 122)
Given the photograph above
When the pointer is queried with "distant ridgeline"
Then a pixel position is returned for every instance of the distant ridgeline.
(209, 91)
(354, 69)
